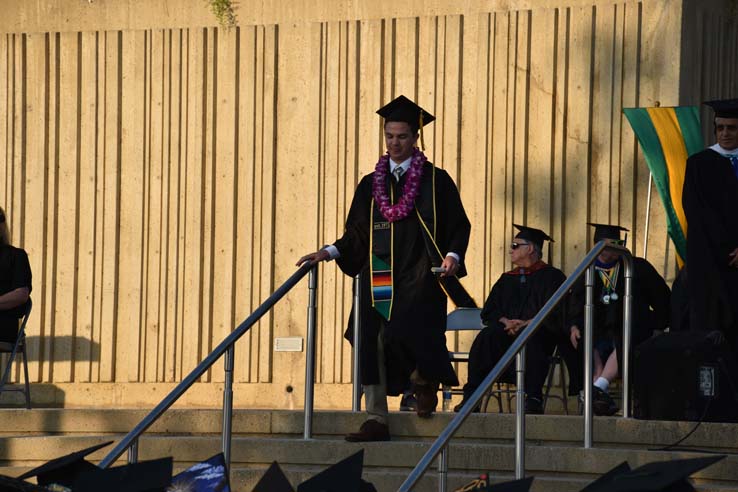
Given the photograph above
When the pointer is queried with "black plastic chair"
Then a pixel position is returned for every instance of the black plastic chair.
(13, 349)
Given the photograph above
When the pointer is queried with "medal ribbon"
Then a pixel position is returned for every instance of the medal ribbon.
(609, 277)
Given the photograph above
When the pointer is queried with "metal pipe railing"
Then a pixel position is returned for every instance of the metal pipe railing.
(588, 330)
(356, 393)
(442, 441)
(520, 415)
(228, 405)
(310, 353)
(132, 437)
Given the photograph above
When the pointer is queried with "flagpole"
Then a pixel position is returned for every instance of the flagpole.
(648, 214)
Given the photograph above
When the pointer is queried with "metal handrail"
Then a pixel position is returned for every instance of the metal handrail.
(130, 441)
(440, 444)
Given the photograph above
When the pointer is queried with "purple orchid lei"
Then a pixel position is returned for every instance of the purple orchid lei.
(406, 203)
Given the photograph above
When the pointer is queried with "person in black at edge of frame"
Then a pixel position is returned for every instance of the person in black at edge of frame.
(15, 283)
(513, 301)
(710, 201)
(403, 215)
(651, 311)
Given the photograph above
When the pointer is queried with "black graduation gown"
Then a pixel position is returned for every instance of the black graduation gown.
(15, 273)
(415, 334)
(516, 296)
(651, 306)
(710, 200)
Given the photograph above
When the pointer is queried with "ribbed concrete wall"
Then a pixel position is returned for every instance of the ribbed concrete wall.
(165, 180)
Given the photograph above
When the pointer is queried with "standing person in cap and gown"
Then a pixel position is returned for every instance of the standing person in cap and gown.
(710, 200)
(15, 283)
(406, 218)
(651, 311)
(514, 300)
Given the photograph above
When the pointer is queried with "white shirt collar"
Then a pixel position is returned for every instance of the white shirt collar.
(405, 165)
(717, 148)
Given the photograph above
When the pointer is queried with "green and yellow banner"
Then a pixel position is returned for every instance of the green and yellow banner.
(668, 136)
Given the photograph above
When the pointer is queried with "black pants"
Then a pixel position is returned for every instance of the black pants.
(492, 343)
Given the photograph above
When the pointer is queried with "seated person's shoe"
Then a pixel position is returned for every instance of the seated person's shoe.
(427, 398)
(371, 430)
(602, 403)
(408, 403)
(533, 406)
(458, 407)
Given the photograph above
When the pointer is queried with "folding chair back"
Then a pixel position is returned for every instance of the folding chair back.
(13, 349)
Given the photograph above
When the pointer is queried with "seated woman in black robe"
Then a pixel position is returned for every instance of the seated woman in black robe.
(15, 284)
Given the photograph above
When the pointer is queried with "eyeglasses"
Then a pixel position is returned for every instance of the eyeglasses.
(617, 242)
(517, 245)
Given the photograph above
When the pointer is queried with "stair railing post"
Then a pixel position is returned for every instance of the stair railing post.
(356, 395)
(588, 321)
(310, 351)
(520, 415)
(627, 322)
(133, 452)
(443, 470)
(228, 406)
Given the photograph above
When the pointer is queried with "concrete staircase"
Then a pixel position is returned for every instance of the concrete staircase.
(554, 453)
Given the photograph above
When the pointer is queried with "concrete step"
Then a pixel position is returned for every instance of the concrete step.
(554, 452)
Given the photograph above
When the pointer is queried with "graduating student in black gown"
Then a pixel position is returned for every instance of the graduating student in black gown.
(403, 327)
(15, 284)
(514, 300)
(710, 200)
(651, 311)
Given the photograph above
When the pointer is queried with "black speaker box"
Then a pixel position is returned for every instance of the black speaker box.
(685, 376)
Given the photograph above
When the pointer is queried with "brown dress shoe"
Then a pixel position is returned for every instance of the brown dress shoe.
(427, 396)
(371, 430)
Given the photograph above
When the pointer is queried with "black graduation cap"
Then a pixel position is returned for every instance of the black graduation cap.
(65, 469)
(403, 109)
(273, 480)
(724, 108)
(654, 477)
(622, 468)
(210, 475)
(532, 234)
(606, 231)
(522, 485)
(9, 484)
(344, 476)
(144, 476)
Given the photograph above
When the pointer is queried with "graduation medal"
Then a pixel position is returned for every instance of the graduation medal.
(609, 278)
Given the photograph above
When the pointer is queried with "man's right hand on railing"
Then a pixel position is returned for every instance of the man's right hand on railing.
(313, 258)
(574, 335)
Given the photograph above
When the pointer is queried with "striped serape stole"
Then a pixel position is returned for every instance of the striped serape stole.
(668, 136)
(381, 286)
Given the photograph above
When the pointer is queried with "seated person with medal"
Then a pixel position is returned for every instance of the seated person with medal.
(651, 310)
(15, 284)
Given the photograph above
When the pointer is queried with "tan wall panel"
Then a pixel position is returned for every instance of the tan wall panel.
(165, 179)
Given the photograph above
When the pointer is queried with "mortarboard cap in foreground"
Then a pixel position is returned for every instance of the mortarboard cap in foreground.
(403, 109)
(724, 108)
(606, 231)
(654, 477)
(622, 468)
(344, 476)
(532, 234)
(65, 469)
(210, 475)
(273, 480)
(522, 485)
(144, 476)
(9, 484)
